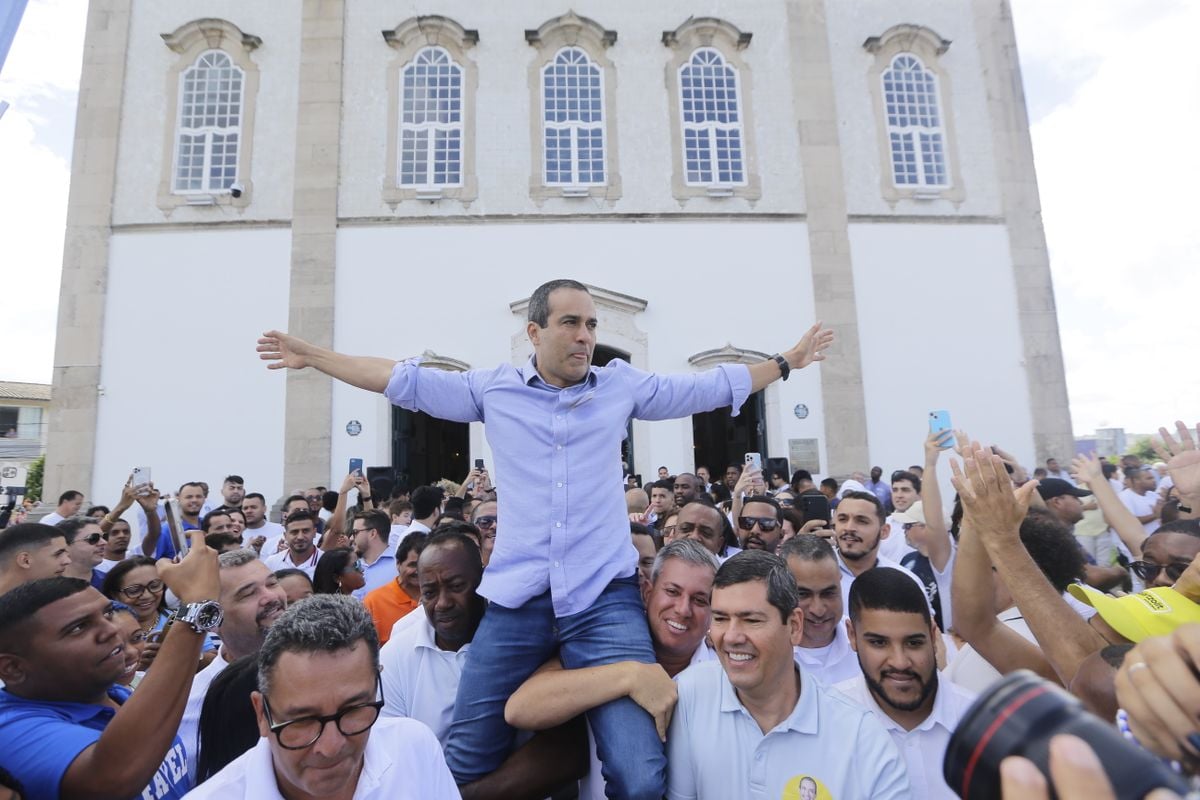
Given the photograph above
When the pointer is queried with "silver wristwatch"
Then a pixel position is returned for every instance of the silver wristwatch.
(201, 617)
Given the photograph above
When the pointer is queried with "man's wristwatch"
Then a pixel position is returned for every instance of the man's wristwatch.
(784, 367)
(202, 617)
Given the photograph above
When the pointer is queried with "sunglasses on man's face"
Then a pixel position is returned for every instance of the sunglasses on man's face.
(94, 538)
(1148, 572)
(764, 523)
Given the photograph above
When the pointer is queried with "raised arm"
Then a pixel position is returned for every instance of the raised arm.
(335, 526)
(810, 348)
(149, 504)
(936, 536)
(128, 495)
(130, 750)
(553, 695)
(996, 512)
(291, 352)
(1088, 471)
(1183, 465)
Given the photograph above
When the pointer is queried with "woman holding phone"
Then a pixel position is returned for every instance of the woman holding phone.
(135, 583)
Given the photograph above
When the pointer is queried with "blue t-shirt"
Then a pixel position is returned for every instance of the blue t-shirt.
(166, 548)
(39, 740)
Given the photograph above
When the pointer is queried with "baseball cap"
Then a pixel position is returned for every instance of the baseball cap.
(914, 514)
(1056, 487)
(1153, 612)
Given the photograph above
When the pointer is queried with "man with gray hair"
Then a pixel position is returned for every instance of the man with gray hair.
(253, 600)
(317, 705)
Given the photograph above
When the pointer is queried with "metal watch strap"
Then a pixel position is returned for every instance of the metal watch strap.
(785, 368)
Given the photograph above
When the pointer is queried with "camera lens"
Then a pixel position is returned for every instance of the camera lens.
(1017, 717)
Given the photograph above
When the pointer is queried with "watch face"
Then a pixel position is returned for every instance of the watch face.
(209, 616)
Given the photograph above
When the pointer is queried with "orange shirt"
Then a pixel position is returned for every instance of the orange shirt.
(387, 604)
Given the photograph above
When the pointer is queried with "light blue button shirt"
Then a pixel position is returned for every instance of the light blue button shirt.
(716, 750)
(557, 456)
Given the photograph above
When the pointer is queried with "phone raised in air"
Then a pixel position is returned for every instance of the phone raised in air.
(141, 481)
(356, 465)
(754, 461)
(479, 463)
(814, 506)
(939, 421)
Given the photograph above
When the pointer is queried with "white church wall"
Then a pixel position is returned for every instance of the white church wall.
(145, 116)
(183, 390)
(938, 325)
(403, 290)
(503, 98)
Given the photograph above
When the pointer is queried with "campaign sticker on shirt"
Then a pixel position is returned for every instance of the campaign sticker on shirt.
(805, 787)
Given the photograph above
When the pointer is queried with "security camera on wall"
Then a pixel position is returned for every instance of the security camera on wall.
(236, 189)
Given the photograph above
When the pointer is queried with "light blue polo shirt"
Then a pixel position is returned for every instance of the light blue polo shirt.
(716, 751)
(40, 739)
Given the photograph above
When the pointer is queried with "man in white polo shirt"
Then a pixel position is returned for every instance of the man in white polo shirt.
(422, 664)
(321, 737)
(756, 725)
(824, 650)
(893, 634)
(300, 529)
(859, 526)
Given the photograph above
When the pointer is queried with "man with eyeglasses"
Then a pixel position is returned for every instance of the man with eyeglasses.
(369, 538)
(85, 544)
(484, 518)
(760, 525)
(321, 736)
(299, 531)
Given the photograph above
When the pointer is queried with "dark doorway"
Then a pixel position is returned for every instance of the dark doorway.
(426, 449)
(721, 439)
(601, 356)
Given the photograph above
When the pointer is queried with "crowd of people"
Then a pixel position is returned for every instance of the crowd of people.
(711, 634)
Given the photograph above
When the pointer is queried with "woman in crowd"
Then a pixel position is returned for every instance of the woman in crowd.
(135, 582)
(338, 572)
(134, 639)
(296, 584)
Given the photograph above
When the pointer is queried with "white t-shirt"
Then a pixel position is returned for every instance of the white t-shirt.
(924, 747)
(283, 560)
(273, 532)
(53, 518)
(716, 750)
(1140, 505)
(189, 726)
(972, 671)
(402, 761)
(420, 680)
(833, 663)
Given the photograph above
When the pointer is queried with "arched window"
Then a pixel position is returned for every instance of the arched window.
(914, 123)
(712, 120)
(431, 123)
(573, 120)
(208, 133)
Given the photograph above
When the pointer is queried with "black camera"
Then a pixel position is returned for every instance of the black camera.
(1018, 716)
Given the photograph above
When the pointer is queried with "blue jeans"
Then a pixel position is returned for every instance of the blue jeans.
(512, 643)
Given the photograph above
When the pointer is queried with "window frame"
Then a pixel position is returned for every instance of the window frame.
(914, 133)
(729, 42)
(574, 127)
(710, 127)
(208, 132)
(408, 39)
(432, 128)
(190, 42)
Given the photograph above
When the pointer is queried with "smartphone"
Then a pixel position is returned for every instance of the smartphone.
(754, 461)
(141, 480)
(814, 506)
(479, 463)
(356, 465)
(940, 421)
(175, 527)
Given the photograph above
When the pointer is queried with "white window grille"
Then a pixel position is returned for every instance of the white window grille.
(431, 121)
(915, 131)
(573, 120)
(712, 120)
(209, 126)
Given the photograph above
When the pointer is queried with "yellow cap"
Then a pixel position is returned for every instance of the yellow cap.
(1153, 612)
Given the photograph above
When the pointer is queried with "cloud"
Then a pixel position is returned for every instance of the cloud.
(1118, 169)
(41, 82)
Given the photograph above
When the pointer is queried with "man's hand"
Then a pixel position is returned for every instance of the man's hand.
(935, 443)
(1158, 688)
(148, 498)
(283, 351)
(1019, 475)
(1075, 770)
(128, 494)
(750, 482)
(349, 482)
(810, 348)
(652, 689)
(257, 542)
(1182, 457)
(1088, 469)
(195, 578)
(990, 505)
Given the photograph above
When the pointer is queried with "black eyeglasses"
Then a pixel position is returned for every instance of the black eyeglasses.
(297, 734)
(908, 526)
(1148, 572)
(136, 590)
(93, 538)
(485, 522)
(764, 523)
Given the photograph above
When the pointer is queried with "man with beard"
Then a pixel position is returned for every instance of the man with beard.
(300, 528)
(759, 719)
(892, 632)
(824, 648)
(252, 599)
(859, 527)
(191, 501)
(116, 544)
(760, 525)
(422, 665)
(233, 491)
(263, 534)
(687, 488)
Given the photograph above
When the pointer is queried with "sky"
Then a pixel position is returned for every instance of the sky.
(1114, 101)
